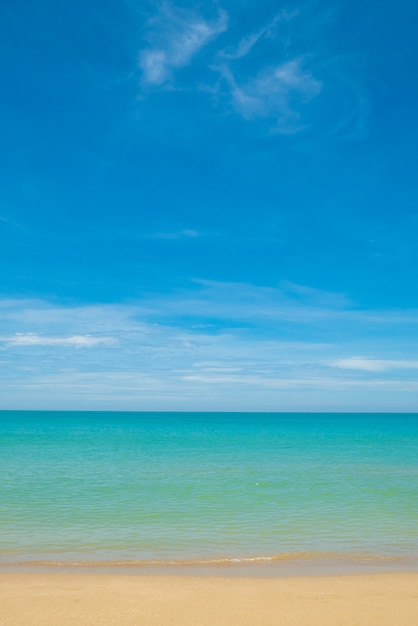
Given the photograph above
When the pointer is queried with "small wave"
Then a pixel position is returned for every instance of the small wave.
(209, 562)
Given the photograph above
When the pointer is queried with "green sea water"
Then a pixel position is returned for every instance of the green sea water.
(206, 487)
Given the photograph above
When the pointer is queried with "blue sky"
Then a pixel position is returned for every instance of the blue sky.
(209, 205)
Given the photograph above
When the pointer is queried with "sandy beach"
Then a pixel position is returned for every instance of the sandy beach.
(31, 599)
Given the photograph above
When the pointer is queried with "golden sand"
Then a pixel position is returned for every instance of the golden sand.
(121, 600)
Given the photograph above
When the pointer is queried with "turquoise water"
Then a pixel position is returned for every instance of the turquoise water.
(118, 487)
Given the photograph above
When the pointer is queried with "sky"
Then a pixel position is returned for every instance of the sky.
(209, 206)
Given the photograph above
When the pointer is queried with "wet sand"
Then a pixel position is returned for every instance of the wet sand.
(60, 599)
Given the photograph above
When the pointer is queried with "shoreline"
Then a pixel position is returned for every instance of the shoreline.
(280, 565)
(35, 599)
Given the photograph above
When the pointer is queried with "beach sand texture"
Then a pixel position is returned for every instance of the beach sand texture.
(127, 600)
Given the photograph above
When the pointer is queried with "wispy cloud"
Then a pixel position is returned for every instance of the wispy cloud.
(181, 234)
(374, 365)
(175, 37)
(316, 382)
(281, 74)
(259, 347)
(277, 92)
(247, 43)
(9, 222)
(209, 304)
(76, 341)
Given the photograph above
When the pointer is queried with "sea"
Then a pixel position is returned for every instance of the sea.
(196, 490)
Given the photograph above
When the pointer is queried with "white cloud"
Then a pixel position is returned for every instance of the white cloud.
(275, 93)
(208, 305)
(269, 74)
(5, 220)
(211, 345)
(247, 43)
(243, 302)
(175, 38)
(328, 383)
(77, 341)
(181, 234)
(374, 365)
(154, 66)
